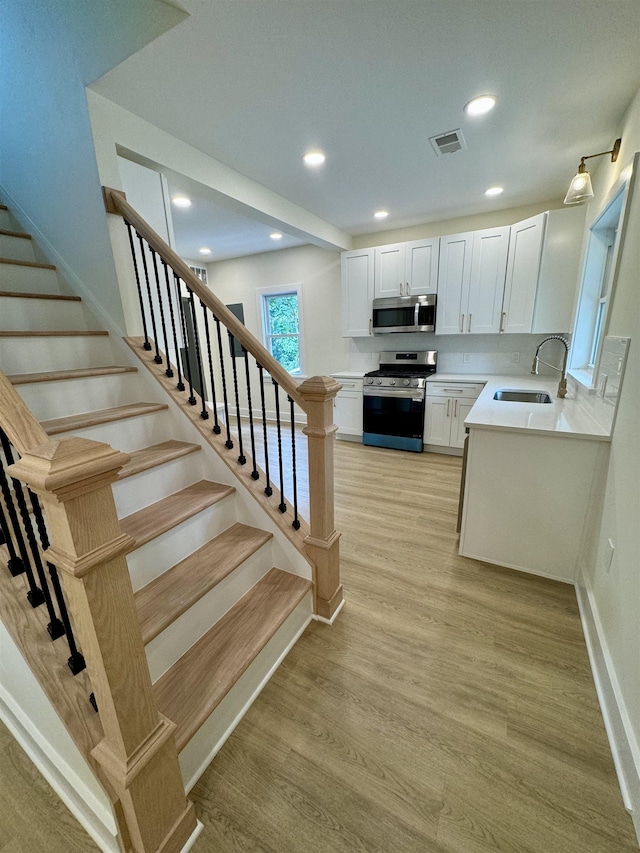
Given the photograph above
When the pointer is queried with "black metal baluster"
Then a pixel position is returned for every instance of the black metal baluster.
(204, 414)
(180, 385)
(168, 372)
(14, 564)
(192, 400)
(76, 662)
(282, 505)
(146, 344)
(35, 596)
(214, 402)
(54, 627)
(268, 490)
(242, 459)
(157, 357)
(254, 473)
(228, 443)
(296, 521)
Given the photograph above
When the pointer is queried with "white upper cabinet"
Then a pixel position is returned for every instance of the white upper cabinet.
(488, 267)
(454, 277)
(357, 292)
(406, 269)
(471, 282)
(523, 268)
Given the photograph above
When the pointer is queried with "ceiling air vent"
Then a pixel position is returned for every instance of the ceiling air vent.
(448, 143)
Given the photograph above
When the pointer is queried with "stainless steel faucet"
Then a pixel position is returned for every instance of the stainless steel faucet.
(562, 385)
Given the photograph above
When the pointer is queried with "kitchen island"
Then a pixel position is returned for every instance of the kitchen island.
(533, 470)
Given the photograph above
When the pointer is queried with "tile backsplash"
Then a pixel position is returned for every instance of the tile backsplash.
(602, 402)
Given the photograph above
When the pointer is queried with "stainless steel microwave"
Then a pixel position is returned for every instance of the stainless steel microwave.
(404, 314)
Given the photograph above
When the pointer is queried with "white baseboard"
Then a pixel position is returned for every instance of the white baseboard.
(60, 776)
(624, 747)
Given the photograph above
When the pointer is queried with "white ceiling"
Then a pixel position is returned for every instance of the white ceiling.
(255, 83)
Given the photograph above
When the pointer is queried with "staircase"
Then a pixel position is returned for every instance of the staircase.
(220, 597)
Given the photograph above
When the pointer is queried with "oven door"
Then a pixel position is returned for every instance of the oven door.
(393, 418)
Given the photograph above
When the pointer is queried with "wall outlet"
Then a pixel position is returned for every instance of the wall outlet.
(608, 555)
(515, 358)
(466, 357)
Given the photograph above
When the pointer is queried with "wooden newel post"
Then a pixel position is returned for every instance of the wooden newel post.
(138, 753)
(322, 544)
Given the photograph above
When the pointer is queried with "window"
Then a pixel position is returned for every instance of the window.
(281, 323)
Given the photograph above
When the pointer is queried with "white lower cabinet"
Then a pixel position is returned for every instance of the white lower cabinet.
(347, 408)
(447, 406)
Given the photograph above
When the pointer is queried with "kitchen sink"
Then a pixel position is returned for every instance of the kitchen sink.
(515, 396)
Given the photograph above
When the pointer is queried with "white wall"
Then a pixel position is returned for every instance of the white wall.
(318, 270)
(48, 173)
(615, 595)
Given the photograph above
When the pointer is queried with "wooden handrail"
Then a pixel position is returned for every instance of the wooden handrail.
(116, 202)
(22, 429)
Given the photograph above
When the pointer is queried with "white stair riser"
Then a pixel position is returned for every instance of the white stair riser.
(177, 638)
(210, 737)
(42, 315)
(28, 279)
(143, 489)
(132, 433)
(154, 558)
(58, 399)
(16, 248)
(7, 222)
(30, 355)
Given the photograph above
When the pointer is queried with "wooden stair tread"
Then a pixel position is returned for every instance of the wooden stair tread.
(101, 416)
(152, 521)
(37, 264)
(156, 454)
(194, 686)
(20, 234)
(56, 333)
(171, 594)
(60, 375)
(19, 294)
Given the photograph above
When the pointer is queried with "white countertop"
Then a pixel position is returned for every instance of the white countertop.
(348, 374)
(567, 418)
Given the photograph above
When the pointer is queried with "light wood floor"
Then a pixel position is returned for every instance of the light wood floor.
(449, 710)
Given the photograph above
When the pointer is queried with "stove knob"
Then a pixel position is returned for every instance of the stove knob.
(368, 381)
(406, 381)
(392, 382)
(378, 381)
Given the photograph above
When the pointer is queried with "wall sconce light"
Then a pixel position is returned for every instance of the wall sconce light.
(580, 188)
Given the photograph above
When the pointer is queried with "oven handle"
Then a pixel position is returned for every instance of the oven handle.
(407, 393)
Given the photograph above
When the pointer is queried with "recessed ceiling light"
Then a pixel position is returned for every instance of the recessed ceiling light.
(275, 235)
(494, 191)
(181, 201)
(480, 106)
(204, 250)
(381, 214)
(314, 158)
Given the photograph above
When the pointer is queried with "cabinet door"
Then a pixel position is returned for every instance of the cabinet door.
(437, 426)
(523, 267)
(488, 268)
(347, 412)
(389, 274)
(421, 266)
(461, 409)
(454, 274)
(357, 292)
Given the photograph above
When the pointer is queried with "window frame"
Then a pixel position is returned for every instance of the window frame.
(263, 294)
(600, 268)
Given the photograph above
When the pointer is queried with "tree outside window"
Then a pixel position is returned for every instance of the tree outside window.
(281, 325)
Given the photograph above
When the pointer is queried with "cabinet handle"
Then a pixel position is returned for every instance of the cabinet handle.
(469, 324)
(502, 316)
(370, 322)
(455, 408)
(454, 390)
(448, 404)
(408, 290)
(462, 323)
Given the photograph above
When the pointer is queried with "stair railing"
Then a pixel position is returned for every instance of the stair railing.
(69, 488)
(190, 336)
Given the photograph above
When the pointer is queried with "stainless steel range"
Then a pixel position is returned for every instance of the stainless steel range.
(393, 413)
